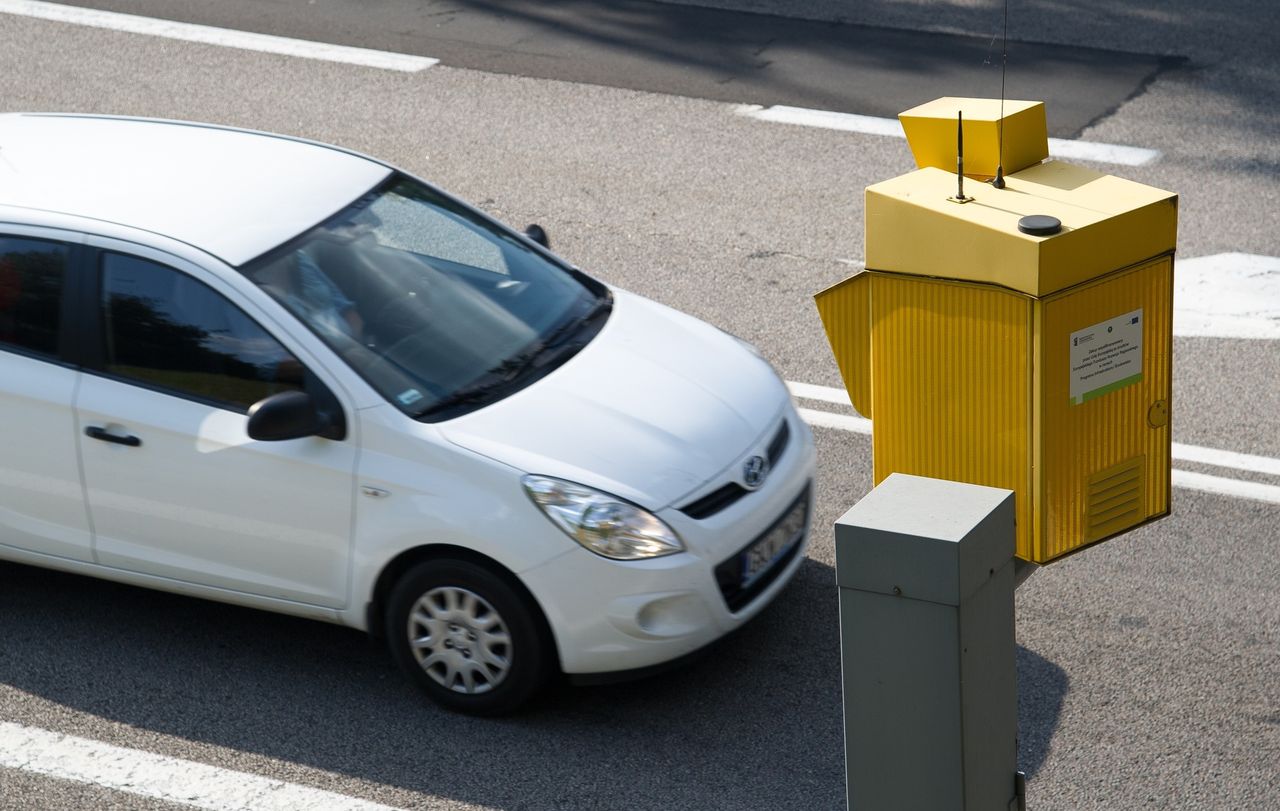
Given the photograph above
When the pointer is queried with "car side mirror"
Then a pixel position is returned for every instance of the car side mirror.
(290, 415)
(538, 234)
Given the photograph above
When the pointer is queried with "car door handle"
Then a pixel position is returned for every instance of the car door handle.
(95, 432)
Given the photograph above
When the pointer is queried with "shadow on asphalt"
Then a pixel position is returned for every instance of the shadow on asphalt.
(764, 59)
(1042, 686)
(756, 724)
(718, 54)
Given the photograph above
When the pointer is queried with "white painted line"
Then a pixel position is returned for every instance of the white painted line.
(1217, 458)
(1102, 153)
(846, 122)
(1227, 295)
(210, 35)
(1226, 487)
(871, 125)
(843, 422)
(184, 782)
(826, 394)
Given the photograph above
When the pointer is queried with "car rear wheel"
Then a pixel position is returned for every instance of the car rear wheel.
(466, 637)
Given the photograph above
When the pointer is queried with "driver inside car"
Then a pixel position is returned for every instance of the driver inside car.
(298, 282)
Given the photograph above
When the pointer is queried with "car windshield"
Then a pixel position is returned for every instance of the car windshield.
(437, 307)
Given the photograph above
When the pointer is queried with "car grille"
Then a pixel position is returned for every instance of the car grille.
(778, 444)
(720, 499)
(709, 505)
(729, 571)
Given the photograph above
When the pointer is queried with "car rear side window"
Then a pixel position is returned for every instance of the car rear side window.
(165, 329)
(31, 273)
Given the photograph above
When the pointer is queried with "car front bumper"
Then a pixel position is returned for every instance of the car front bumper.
(610, 616)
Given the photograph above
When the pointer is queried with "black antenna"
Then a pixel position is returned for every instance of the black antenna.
(1004, 64)
(960, 198)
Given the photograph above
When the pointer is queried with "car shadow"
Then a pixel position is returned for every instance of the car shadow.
(757, 723)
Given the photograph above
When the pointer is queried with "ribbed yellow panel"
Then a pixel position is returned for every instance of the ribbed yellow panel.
(950, 385)
(846, 315)
(1086, 445)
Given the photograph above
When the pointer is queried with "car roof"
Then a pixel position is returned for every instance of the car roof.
(233, 193)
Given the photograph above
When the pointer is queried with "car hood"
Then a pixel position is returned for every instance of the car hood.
(656, 405)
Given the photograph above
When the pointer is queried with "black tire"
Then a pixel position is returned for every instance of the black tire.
(480, 648)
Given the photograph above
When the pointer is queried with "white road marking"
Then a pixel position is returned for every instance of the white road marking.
(210, 35)
(1180, 452)
(826, 394)
(1226, 487)
(1102, 153)
(842, 422)
(871, 125)
(1217, 458)
(1228, 295)
(183, 782)
(846, 122)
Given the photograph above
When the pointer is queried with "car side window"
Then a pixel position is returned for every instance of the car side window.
(31, 275)
(165, 329)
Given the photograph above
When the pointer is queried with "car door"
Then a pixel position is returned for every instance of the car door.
(41, 503)
(175, 486)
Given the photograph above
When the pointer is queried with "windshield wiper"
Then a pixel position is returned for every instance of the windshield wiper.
(603, 306)
(496, 378)
(572, 325)
(540, 353)
(467, 394)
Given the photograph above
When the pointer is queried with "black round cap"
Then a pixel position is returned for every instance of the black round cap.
(1039, 225)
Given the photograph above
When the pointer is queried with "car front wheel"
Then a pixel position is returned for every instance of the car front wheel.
(466, 637)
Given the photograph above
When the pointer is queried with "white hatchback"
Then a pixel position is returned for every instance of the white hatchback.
(267, 371)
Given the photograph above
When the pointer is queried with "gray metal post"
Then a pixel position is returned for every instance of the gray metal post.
(926, 575)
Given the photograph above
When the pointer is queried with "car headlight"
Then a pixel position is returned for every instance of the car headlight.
(602, 523)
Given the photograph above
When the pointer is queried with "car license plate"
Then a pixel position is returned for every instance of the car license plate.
(757, 558)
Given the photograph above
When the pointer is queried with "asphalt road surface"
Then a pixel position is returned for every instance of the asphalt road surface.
(703, 53)
(1149, 667)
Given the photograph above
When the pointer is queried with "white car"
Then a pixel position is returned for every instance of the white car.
(257, 369)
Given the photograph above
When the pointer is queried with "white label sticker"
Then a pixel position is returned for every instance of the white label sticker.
(1106, 357)
(409, 397)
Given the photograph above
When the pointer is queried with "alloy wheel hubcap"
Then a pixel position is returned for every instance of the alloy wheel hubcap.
(460, 640)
